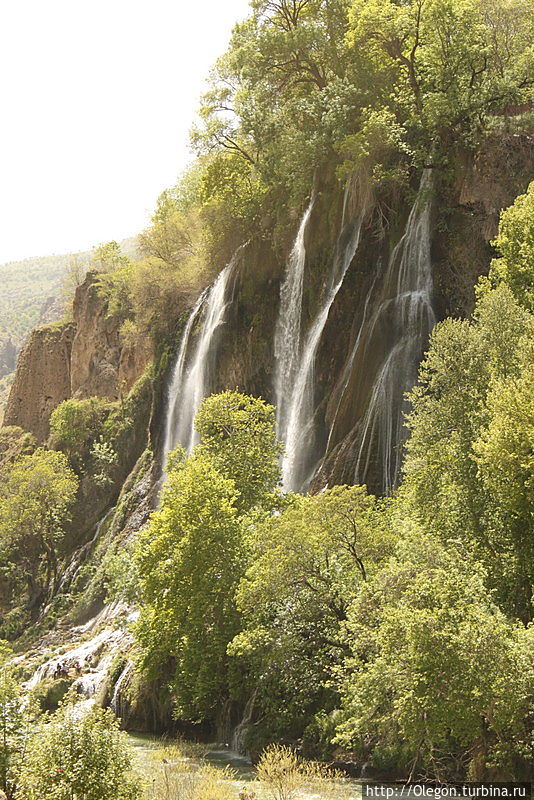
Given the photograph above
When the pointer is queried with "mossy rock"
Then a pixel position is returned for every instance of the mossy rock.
(50, 693)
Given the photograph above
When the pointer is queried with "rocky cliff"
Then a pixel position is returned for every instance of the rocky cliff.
(87, 357)
(82, 358)
(42, 379)
(467, 198)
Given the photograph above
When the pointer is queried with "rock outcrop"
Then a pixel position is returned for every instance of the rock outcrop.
(42, 379)
(83, 358)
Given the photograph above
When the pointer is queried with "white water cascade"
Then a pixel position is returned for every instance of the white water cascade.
(403, 319)
(288, 334)
(299, 457)
(172, 421)
(192, 378)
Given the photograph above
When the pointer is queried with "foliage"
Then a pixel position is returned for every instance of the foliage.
(445, 64)
(515, 244)
(385, 85)
(189, 558)
(237, 433)
(464, 467)
(74, 425)
(15, 721)
(121, 579)
(104, 458)
(437, 667)
(286, 776)
(80, 754)
(307, 565)
(36, 494)
(171, 777)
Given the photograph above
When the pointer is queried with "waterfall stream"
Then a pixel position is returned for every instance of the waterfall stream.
(172, 423)
(287, 338)
(391, 341)
(299, 455)
(193, 375)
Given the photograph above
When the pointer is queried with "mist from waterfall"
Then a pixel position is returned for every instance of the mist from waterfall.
(193, 373)
(287, 339)
(403, 318)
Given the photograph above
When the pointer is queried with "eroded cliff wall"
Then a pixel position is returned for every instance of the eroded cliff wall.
(82, 358)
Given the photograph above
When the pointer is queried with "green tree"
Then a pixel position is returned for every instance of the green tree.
(515, 244)
(193, 552)
(36, 494)
(74, 425)
(189, 558)
(237, 432)
(15, 724)
(78, 755)
(439, 682)
(307, 566)
(456, 432)
(447, 64)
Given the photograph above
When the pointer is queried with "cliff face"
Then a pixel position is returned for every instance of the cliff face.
(83, 358)
(42, 379)
(100, 364)
(87, 357)
(466, 201)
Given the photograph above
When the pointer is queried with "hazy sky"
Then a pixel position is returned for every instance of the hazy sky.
(96, 100)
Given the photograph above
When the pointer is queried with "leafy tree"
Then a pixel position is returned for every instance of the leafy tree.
(15, 722)
(190, 557)
(515, 243)
(193, 552)
(237, 433)
(108, 257)
(438, 678)
(36, 494)
(74, 424)
(447, 64)
(456, 432)
(78, 754)
(307, 566)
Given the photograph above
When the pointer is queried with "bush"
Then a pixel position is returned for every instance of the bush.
(173, 778)
(77, 754)
(75, 424)
(285, 776)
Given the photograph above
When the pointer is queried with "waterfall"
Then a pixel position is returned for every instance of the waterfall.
(174, 406)
(117, 700)
(300, 455)
(287, 333)
(193, 377)
(402, 320)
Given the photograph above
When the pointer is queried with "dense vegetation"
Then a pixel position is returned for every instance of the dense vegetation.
(393, 631)
(396, 628)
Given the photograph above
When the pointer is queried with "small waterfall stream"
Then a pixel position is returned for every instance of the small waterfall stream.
(389, 346)
(193, 376)
(288, 327)
(172, 422)
(299, 455)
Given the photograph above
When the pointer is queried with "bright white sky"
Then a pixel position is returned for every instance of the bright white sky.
(97, 98)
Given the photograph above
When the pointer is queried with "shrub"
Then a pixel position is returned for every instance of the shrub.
(285, 775)
(78, 754)
(74, 425)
